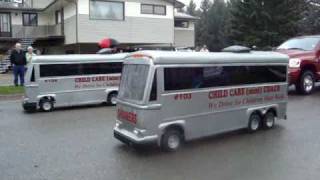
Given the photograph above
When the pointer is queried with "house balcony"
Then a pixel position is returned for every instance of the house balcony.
(41, 31)
(25, 4)
(40, 36)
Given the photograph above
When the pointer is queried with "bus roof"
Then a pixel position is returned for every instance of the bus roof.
(78, 58)
(168, 57)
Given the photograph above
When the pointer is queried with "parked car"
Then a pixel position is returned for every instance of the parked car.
(304, 64)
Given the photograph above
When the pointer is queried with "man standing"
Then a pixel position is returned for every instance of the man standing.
(18, 60)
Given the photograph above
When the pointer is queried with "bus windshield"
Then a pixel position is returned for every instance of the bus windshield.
(133, 82)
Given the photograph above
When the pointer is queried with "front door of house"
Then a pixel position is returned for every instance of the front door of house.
(5, 25)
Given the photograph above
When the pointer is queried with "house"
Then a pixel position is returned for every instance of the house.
(76, 26)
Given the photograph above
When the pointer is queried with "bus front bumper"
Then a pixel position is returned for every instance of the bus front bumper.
(27, 105)
(131, 138)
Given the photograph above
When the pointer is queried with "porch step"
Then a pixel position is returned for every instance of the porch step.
(5, 65)
(26, 42)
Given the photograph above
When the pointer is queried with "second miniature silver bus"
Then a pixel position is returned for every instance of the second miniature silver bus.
(170, 97)
(69, 80)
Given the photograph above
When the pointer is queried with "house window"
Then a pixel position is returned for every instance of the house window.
(181, 24)
(30, 19)
(100, 9)
(58, 17)
(153, 9)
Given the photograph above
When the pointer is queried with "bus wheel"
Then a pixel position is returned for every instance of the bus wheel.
(269, 120)
(254, 122)
(46, 105)
(171, 140)
(112, 98)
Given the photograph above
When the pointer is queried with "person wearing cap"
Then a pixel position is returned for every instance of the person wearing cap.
(18, 60)
(30, 54)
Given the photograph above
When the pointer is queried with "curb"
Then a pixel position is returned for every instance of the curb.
(11, 97)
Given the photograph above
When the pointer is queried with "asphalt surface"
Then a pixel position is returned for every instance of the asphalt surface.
(77, 143)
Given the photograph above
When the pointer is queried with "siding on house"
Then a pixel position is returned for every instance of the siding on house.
(70, 30)
(184, 37)
(132, 30)
(135, 28)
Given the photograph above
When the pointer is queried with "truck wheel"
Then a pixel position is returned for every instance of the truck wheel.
(306, 83)
(171, 140)
(46, 105)
(254, 122)
(112, 98)
(269, 120)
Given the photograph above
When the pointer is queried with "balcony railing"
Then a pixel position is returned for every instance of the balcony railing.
(36, 31)
(24, 4)
(15, 4)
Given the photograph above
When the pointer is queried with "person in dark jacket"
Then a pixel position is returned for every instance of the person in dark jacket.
(18, 60)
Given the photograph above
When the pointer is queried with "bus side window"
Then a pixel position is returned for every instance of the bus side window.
(153, 94)
(32, 78)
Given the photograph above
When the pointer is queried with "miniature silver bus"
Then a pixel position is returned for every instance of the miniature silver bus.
(69, 80)
(167, 98)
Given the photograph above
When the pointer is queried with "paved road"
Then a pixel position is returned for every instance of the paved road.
(77, 143)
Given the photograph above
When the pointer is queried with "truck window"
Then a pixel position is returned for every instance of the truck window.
(153, 93)
(133, 82)
(205, 77)
(52, 70)
(101, 68)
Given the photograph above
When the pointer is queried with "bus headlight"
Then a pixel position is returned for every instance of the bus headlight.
(294, 62)
(139, 131)
(118, 124)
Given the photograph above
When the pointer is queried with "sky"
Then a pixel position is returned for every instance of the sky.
(186, 2)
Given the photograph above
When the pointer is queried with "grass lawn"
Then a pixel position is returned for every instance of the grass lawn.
(7, 90)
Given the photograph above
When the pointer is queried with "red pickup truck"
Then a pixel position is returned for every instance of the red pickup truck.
(304, 64)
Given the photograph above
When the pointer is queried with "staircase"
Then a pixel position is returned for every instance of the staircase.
(25, 42)
(5, 64)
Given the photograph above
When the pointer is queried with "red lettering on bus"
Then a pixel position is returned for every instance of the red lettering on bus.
(218, 94)
(129, 116)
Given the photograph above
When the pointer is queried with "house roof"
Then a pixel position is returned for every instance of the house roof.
(181, 15)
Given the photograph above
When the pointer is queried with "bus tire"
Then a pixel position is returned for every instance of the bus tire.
(46, 105)
(306, 83)
(112, 98)
(254, 122)
(269, 120)
(171, 140)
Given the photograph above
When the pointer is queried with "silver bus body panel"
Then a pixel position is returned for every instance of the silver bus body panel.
(71, 90)
(200, 116)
